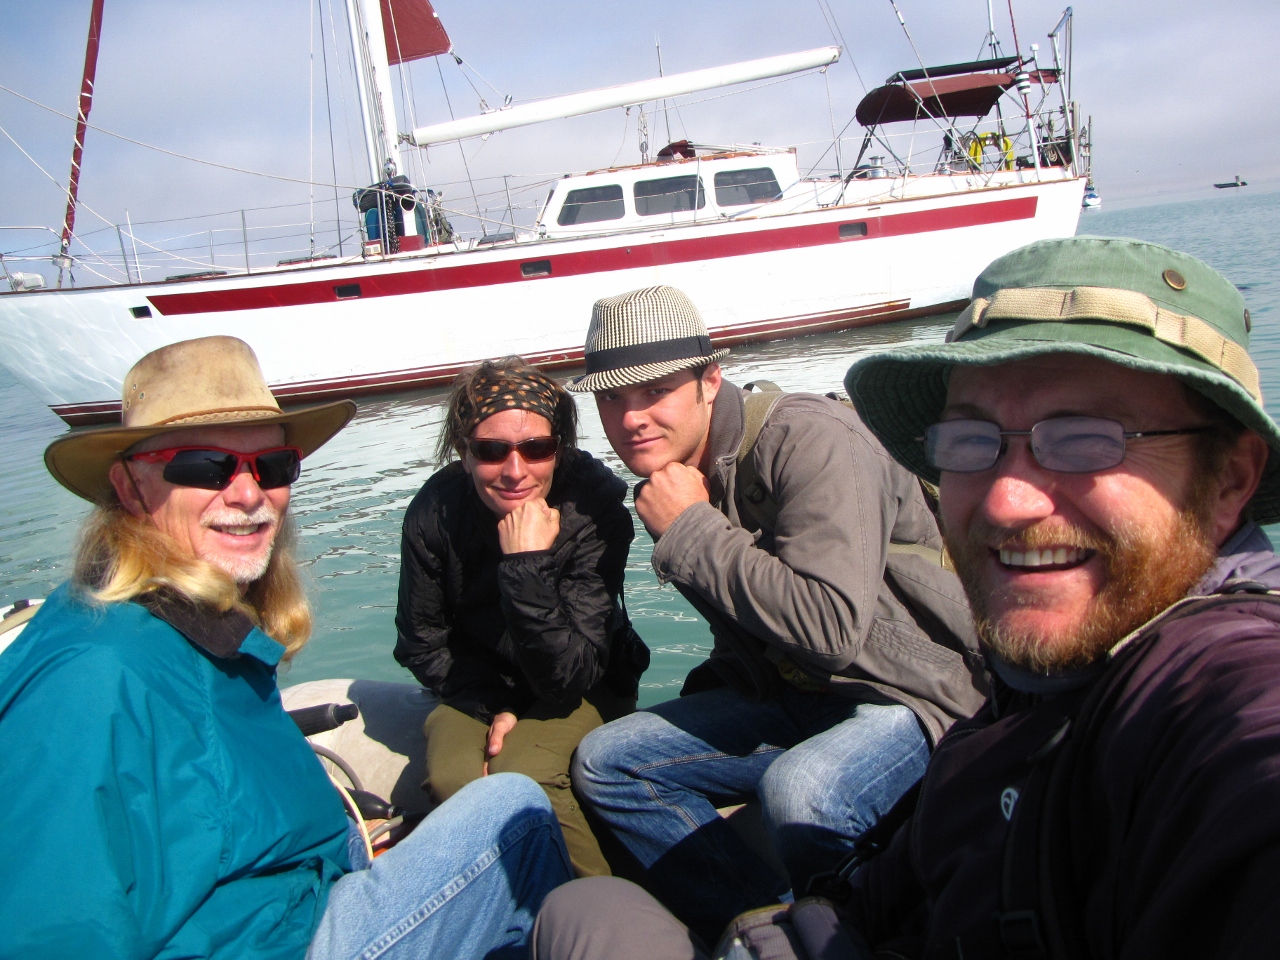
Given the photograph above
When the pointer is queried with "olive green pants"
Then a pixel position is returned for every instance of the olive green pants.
(540, 746)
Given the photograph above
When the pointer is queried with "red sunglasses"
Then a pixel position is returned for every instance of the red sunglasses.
(213, 468)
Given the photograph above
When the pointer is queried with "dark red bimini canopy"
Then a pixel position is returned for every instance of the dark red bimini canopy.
(941, 92)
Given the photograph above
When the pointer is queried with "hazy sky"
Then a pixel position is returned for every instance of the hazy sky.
(1182, 92)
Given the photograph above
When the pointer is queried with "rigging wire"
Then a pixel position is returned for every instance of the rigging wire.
(311, 122)
(328, 106)
(626, 126)
(171, 153)
(1014, 26)
(408, 98)
(484, 104)
(63, 190)
(950, 127)
(342, 88)
(833, 24)
(461, 152)
(831, 115)
(506, 98)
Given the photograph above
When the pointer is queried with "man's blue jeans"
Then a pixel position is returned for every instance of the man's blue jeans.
(825, 768)
(466, 884)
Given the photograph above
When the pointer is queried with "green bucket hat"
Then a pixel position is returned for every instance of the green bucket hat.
(1136, 304)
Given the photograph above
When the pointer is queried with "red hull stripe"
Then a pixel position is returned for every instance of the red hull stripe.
(591, 261)
(108, 411)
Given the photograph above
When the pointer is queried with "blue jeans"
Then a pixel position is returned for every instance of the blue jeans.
(824, 767)
(466, 884)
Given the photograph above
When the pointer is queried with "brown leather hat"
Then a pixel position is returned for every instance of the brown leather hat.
(212, 381)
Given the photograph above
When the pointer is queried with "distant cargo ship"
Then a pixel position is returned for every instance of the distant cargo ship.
(1232, 183)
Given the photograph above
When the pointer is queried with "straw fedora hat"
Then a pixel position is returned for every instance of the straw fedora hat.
(643, 335)
(211, 381)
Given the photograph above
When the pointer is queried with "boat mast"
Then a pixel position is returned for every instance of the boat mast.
(82, 122)
(373, 82)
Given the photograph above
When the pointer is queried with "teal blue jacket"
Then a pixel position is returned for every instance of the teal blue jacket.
(158, 801)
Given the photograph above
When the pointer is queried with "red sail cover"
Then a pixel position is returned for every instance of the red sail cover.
(413, 30)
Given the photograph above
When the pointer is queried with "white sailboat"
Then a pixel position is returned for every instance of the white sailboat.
(765, 251)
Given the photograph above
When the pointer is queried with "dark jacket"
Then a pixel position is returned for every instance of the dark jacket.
(814, 588)
(1161, 813)
(490, 633)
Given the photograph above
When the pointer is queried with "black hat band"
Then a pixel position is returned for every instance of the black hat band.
(643, 354)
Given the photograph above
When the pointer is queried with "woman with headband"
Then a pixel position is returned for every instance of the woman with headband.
(510, 606)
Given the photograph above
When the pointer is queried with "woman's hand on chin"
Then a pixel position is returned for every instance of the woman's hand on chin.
(531, 526)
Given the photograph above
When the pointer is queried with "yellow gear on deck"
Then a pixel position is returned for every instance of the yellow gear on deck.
(1001, 144)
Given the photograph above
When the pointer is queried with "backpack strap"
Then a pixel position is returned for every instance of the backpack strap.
(754, 500)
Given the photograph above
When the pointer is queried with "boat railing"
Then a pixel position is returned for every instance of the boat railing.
(248, 240)
(506, 209)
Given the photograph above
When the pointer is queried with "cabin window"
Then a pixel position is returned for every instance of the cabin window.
(736, 188)
(669, 195)
(591, 205)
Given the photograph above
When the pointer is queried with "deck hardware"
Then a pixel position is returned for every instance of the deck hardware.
(347, 291)
(536, 268)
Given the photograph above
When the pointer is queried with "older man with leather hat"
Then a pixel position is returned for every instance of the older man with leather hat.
(843, 649)
(161, 802)
(1096, 429)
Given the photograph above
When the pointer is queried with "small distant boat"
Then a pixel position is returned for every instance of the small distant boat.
(1232, 183)
(1090, 198)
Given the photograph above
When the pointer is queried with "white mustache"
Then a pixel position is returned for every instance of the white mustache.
(265, 513)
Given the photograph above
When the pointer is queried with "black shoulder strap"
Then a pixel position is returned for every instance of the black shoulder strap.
(833, 885)
(1022, 928)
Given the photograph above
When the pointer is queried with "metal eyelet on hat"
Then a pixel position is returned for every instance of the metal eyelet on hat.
(1174, 279)
(1248, 321)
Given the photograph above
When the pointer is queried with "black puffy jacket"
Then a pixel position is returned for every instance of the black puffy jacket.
(491, 633)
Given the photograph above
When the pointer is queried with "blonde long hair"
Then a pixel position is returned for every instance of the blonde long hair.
(120, 556)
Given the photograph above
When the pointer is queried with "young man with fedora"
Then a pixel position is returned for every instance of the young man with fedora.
(838, 660)
(163, 803)
(1096, 428)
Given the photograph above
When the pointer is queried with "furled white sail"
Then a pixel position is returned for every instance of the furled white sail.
(592, 101)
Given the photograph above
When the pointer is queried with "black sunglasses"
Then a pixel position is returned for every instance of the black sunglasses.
(1061, 444)
(212, 468)
(533, 450)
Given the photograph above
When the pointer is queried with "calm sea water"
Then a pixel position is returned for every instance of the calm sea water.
(352, 495)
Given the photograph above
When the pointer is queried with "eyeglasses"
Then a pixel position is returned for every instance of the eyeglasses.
(533, 450)
(1061, 444)
(212, 468)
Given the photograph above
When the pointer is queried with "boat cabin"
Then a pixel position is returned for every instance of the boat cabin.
(682, 188)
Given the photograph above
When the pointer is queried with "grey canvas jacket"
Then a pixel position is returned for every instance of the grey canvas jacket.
(814, 588)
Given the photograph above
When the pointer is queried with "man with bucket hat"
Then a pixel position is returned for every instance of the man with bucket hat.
(1104, 461)
(162, 802)
(839, 650)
